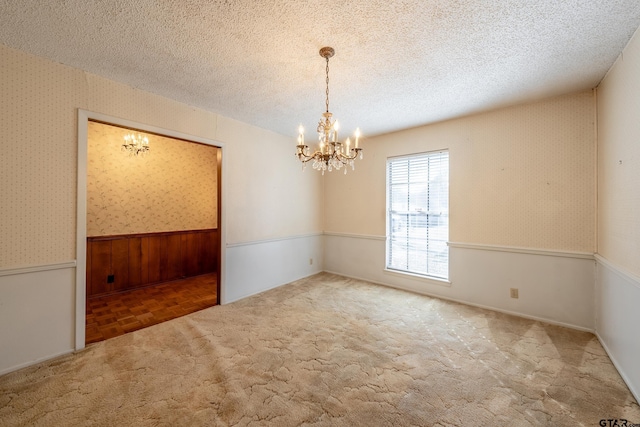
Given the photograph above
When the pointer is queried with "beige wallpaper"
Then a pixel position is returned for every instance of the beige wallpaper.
(38, 160)
(619, 161)
(172, 188)
(522, 176)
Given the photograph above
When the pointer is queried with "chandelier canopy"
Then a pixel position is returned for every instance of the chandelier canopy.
(331, 153)
(135, 144)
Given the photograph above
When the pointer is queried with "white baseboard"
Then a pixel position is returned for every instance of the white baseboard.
(34, 362)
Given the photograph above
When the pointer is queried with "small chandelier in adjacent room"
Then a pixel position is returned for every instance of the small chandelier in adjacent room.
(331, 153)
(135, 144)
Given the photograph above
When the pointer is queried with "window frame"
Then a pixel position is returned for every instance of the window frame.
(391, 268)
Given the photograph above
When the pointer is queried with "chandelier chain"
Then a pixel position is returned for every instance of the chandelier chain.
(327, 92)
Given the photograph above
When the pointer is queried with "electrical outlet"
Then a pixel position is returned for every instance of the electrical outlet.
(514, 292)
(310, 261)
(111, 278)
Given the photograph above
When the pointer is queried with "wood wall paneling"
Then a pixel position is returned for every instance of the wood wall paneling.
(192, 254)
(100, 267)
(208, 251)
(164, 258)
(120, 264)
(154, 261)
(88, 270)
(144, 259)
(135, 262)
(174, 258)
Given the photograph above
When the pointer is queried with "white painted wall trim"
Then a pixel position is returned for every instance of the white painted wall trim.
(520, 250)
(34, 268)
(635, 280)
(81, 228)
(255, 268)
(625, 378)
(512, 249)
(461, 301)
(355, 236)
(617, 317)
(46, 329)
(275, 239)
(81, 236)
(554, 289)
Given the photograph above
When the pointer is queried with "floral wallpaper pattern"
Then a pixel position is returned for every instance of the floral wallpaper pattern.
(173, 187)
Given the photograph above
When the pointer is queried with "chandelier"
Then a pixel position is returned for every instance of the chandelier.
(135, 144)
(331, 153)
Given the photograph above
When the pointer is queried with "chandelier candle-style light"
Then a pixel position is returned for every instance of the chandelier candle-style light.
(331, 153)
(135, 144)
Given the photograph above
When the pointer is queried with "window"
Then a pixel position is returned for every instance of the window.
(418, 214)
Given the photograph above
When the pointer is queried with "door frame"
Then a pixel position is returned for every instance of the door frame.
(84, 116)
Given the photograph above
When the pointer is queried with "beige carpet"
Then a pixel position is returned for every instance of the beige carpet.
(328, 351)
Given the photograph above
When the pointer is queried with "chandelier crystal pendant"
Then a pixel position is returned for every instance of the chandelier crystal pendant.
(331, 153)
(135, 144)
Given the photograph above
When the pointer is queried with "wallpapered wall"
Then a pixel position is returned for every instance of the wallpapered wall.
(522, 176)
(172, 188)
(619, 161)
(38, 160)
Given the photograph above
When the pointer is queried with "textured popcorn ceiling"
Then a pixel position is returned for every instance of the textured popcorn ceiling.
(398, 63)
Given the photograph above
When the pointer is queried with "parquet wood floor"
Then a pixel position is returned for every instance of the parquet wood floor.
(113, 315)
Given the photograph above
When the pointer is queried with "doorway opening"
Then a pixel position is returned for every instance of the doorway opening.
(150, 246)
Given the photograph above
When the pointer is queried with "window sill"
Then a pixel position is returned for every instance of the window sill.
(425, 279)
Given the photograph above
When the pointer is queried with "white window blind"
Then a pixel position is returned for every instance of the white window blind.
(418, 214)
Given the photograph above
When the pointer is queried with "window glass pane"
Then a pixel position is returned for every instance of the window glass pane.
(418, 214)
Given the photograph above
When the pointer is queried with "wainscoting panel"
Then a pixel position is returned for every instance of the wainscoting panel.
(254, 267)
(554, 287)
(36, 314)
(618, 319)
(140, 260)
